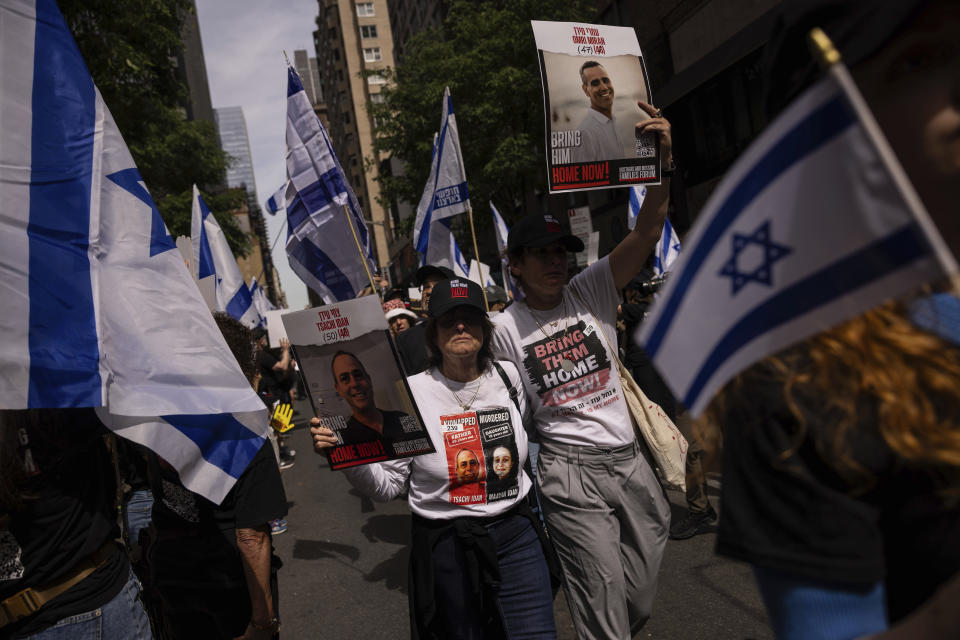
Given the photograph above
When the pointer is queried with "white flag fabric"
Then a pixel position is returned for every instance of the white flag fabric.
(446, 192)
(637, 194)
(444, 251)
(320, 244)
(277, 201)
(260, 302)
(212, 257)
(807, 229)
(99, 308)
(503, 232)
(667, 250)
(480, 273)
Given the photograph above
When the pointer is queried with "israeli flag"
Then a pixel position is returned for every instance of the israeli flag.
(260, 302)
(99, 308)
(446, 192)
(667, 250)
(503, 232)
(814, 224)
(277, 201)
(637, 195)
(321, 207)
(213, 258)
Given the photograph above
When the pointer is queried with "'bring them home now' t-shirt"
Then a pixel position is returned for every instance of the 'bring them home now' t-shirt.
(585, 405)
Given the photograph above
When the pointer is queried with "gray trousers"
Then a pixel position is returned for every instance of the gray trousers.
(608, 519)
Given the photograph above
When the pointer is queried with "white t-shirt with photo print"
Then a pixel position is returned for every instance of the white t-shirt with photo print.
(490, 427)
(582, 404)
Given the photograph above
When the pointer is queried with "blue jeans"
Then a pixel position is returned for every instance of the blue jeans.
(139, 513)
(525, 599)
(123, 618)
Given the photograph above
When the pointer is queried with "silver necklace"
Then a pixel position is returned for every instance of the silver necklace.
(565, 363)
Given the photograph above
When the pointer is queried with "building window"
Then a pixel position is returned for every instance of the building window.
(376, 78)
(376, 98)
(365, 9)
(353, 161)
(346, 118)
(336, 55)
(372, 54)
(368, 31)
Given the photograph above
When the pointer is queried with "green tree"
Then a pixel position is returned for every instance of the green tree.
(486, 54)
(131, 49)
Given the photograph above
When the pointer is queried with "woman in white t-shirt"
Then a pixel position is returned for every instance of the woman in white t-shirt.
(478, 567)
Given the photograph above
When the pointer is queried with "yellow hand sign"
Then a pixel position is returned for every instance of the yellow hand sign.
(281, 418)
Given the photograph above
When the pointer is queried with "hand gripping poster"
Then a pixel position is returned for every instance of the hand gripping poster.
(355, 383)
(593, 76)
(482, 457)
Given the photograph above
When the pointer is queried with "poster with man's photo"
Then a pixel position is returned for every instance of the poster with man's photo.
(355, 383)
(593, 76)
(482, 456)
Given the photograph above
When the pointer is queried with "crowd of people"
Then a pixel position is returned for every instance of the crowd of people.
(840, 456)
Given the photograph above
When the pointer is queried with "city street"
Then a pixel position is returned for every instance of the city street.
(345, 567)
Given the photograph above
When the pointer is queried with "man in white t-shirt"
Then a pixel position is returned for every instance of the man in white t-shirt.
(604, 508)
(598, 129)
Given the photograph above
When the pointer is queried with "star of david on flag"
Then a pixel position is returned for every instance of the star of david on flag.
(815, 223)
(99, 308)
(769, 252)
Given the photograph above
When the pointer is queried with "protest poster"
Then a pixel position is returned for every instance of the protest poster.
(482, 456)
(593, 75)
(275, 330)
(354, 381)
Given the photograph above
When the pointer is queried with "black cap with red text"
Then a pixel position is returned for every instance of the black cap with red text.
(450, 294)
(540, 230)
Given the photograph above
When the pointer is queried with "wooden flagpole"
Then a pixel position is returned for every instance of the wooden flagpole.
(476, 254)
(363, 258)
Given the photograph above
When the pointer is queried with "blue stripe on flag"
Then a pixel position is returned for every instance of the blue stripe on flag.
(64, 350)
(315, 261)
(875, 261)
(828, 121)
(223, 441)
(293, 82)
(240, 302)
(206, 266)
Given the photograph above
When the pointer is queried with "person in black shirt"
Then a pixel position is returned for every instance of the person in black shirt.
(58, 530)
(213, 564)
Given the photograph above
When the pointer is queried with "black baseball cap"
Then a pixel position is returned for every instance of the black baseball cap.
(437, 271)
(450, 294)
(539, 230)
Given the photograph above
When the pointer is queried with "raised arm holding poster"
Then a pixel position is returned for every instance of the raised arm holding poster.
(593, 77)
(355, 383)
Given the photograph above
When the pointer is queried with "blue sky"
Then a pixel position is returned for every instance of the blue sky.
(243, 45)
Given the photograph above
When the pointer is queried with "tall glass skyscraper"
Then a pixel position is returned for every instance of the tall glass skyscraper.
(233, 139)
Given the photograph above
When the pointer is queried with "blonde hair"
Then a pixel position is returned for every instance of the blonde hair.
(907, 380)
